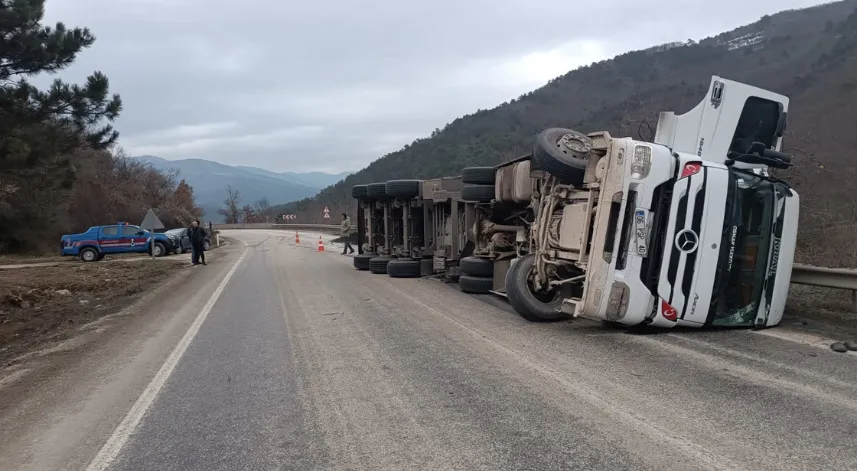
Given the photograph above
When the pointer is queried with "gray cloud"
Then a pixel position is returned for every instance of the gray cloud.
(333, 84)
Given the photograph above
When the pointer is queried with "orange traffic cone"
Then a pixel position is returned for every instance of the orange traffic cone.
(297, 238)
(320, 244)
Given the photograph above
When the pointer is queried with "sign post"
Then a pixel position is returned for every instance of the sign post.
(151, 223)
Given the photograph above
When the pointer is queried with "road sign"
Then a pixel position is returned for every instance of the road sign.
(151, 223)
(326, 213)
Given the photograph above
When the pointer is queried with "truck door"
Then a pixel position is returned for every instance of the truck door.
(134, 238)
(109, 239)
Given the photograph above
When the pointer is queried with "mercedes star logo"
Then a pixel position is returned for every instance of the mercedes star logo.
(686, 241)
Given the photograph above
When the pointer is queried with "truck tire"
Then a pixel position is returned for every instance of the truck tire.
(477, 193)
(405, 189)
(376, 191)
(361, 261)
(358, 192)
(378, 265)
(529, 306)
(564, 153)
(89, 254)
(404, 268)
(160, 249)
(475, 284)
(476, 267)
(479, 175)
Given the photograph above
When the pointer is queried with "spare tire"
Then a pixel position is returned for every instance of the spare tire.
(477, 193)
(529, 305)
(404, 268)
(404, 189)
(361, 261)
(564, 153)
(376, 191)
(476, 266)
(475, 284)
(378, 265)
(479, 175)
(359, 192)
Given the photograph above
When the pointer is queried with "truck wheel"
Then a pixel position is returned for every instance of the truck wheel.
(477, 193)
(89, 255)
(476, 266)
(405, 189)
(534, 307)
(361, 261)
(376, 191)
(404, 268)
(378, 265)
(479, 175)
(358, 192)
(564, 153)
(160, 249)
(475, 284)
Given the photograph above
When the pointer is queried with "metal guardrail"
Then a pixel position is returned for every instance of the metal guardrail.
(840, 278)
(294, 227)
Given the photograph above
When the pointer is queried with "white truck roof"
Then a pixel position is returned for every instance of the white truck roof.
(732, 116)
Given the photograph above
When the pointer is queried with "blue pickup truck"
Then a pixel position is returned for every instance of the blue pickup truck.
(99, 241)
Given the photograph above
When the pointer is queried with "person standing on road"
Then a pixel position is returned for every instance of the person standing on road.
(196, 234)
(345, 231)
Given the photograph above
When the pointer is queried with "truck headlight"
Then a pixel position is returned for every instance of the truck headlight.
(642, 162)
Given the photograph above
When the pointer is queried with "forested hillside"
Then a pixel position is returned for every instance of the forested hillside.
(809, 55)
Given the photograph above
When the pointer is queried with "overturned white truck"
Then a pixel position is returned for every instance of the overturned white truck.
(689, 230)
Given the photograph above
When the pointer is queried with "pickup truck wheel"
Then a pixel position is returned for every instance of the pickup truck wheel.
(89, 255)
(361, 261)
(532, 306)
(477, 193)
(377, 191)
(405, 189)
(358, 192)
(479, 175)
(475, 284)
(378, 265)
(476, 266)
(564, 153)
(160, 249)
(404, 268)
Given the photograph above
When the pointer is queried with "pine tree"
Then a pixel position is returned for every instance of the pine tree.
(39, 130)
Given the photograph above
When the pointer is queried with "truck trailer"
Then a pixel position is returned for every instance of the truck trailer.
(690, 230)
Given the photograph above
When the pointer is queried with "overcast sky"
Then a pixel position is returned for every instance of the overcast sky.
(331, 85)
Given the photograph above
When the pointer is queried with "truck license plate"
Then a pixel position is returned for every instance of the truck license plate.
(640, 231)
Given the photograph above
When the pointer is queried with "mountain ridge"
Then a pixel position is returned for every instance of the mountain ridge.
(210, 180)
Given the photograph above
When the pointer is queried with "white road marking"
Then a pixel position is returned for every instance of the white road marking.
(111, 448)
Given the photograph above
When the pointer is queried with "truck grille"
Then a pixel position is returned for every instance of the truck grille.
(650, 270)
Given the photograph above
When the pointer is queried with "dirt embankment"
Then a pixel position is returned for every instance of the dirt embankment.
(48, 304)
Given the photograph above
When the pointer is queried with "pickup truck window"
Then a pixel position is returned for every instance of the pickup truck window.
(130, 230)
(110, 230)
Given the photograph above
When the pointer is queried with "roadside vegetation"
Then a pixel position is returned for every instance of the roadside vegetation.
(60, 169)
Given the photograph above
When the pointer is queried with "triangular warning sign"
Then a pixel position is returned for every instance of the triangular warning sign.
(151, 222)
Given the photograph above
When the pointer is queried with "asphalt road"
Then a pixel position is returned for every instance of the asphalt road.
(283, 358)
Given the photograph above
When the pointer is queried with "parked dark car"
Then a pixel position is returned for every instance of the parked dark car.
(183, 241)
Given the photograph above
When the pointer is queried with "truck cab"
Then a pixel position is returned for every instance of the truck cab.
(708, 236)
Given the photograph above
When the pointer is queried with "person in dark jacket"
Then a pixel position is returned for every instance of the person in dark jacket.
(196, 234)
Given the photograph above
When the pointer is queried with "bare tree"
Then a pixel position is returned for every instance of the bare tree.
(263, 208)
(231, 206)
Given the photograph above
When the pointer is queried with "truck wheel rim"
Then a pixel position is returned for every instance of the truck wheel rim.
(88, 255)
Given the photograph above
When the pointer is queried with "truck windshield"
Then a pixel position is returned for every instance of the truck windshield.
(742, 266)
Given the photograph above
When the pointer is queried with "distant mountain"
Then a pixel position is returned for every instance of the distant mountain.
(209, 181)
